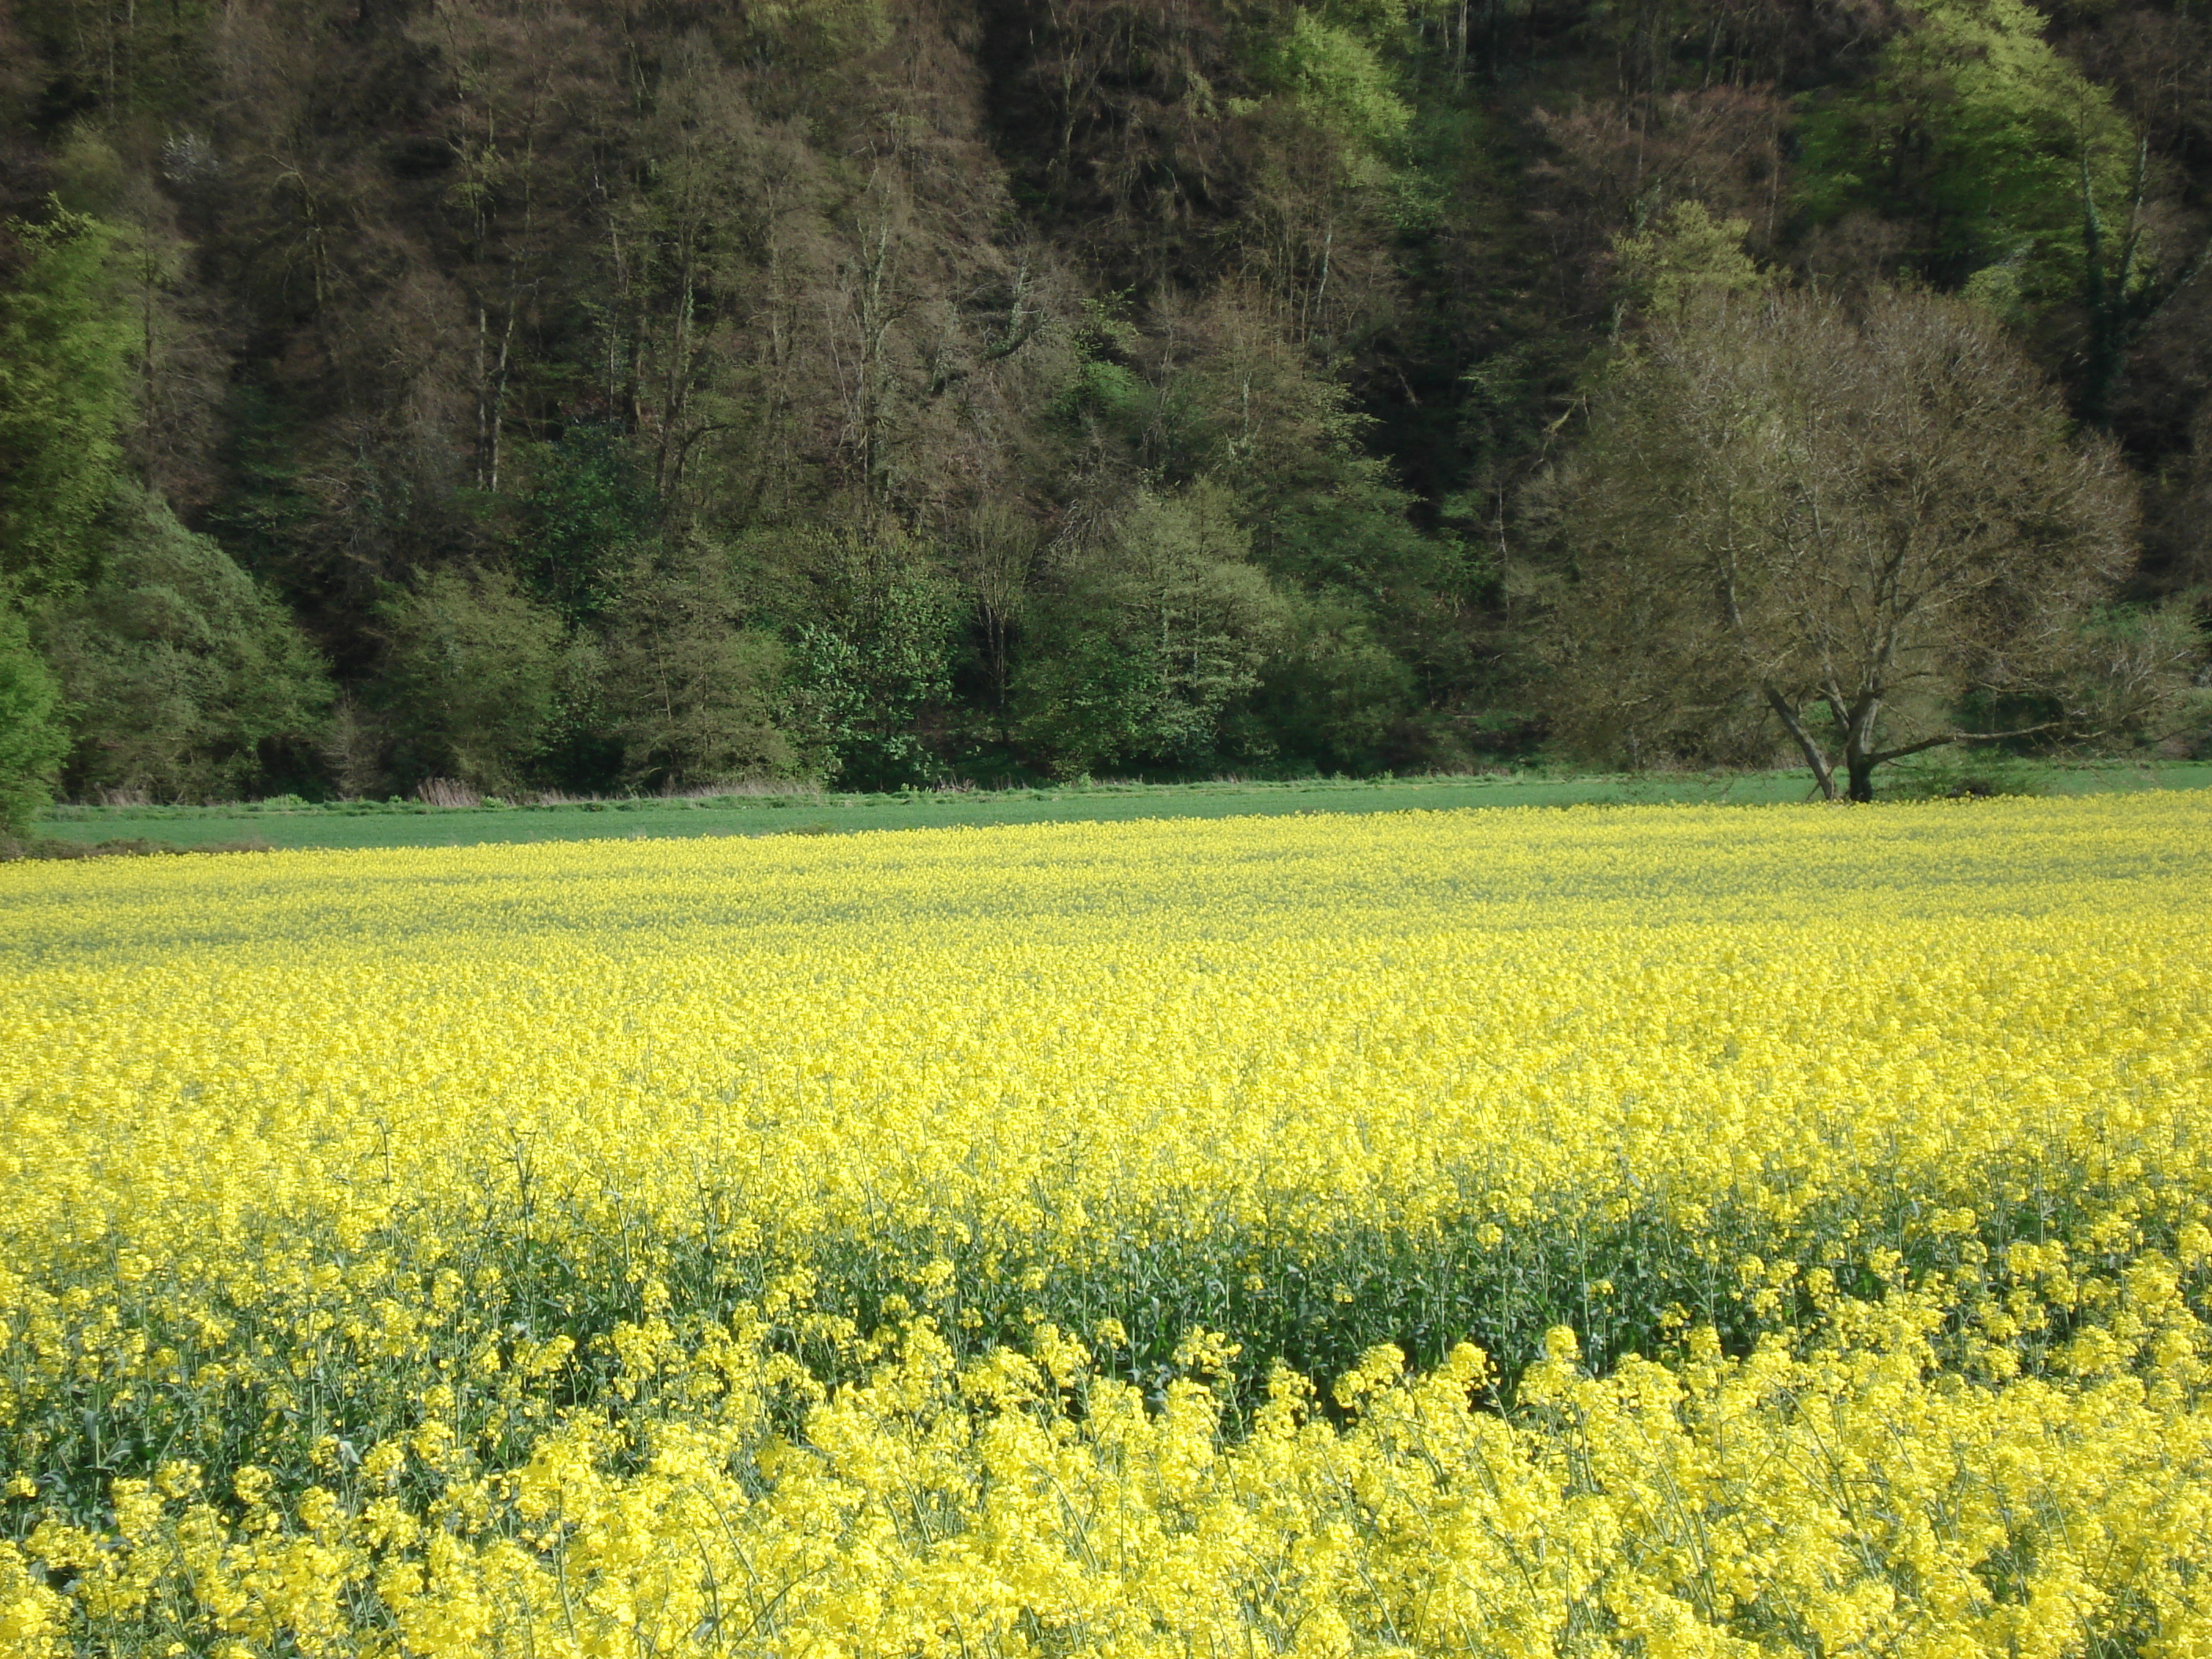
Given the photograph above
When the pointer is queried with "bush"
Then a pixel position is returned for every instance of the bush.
(1964, 775)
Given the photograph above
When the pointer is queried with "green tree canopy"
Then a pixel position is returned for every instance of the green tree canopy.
(472, 679)
(32, 741)
(1973, 128)
(871, 654)
(1790, 522)
(186, 679)
(64, 393)
(1155, 639)
(694, 692)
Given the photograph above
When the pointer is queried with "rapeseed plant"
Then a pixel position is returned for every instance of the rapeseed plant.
(1660, 1232)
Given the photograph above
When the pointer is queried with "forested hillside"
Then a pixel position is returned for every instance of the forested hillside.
(596, 395)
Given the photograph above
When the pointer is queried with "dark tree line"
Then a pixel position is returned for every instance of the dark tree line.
(600, 396)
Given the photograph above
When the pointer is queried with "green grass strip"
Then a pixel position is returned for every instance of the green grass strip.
(396, 823)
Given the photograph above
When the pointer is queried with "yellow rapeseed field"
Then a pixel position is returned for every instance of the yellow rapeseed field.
(1658, 1231)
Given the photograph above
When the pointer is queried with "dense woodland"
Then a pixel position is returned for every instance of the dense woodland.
(603, 395)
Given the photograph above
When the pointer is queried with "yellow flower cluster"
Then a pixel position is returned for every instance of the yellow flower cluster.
(1659, 1231)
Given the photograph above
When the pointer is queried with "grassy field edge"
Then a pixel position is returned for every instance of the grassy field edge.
(68, 830)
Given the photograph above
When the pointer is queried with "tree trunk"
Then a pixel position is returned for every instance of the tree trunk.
(1860, 755)
(1824, 772)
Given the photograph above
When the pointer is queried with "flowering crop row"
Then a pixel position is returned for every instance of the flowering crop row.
(1651, 1231)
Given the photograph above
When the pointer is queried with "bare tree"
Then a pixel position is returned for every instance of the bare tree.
(1862, 525)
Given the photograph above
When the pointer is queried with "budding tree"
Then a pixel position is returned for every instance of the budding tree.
(1856, 524)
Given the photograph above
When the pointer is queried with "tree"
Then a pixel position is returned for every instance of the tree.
(64, 394)
(1333, 693)
(471, 678)
(32, 741)
(566, 292)
(693, 691)
(1979, 131)
(1155, 639)
(1689, 257)
(186, 679)
(872, 653)
(997, 549)
(2021, 179)
(1856, 524)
